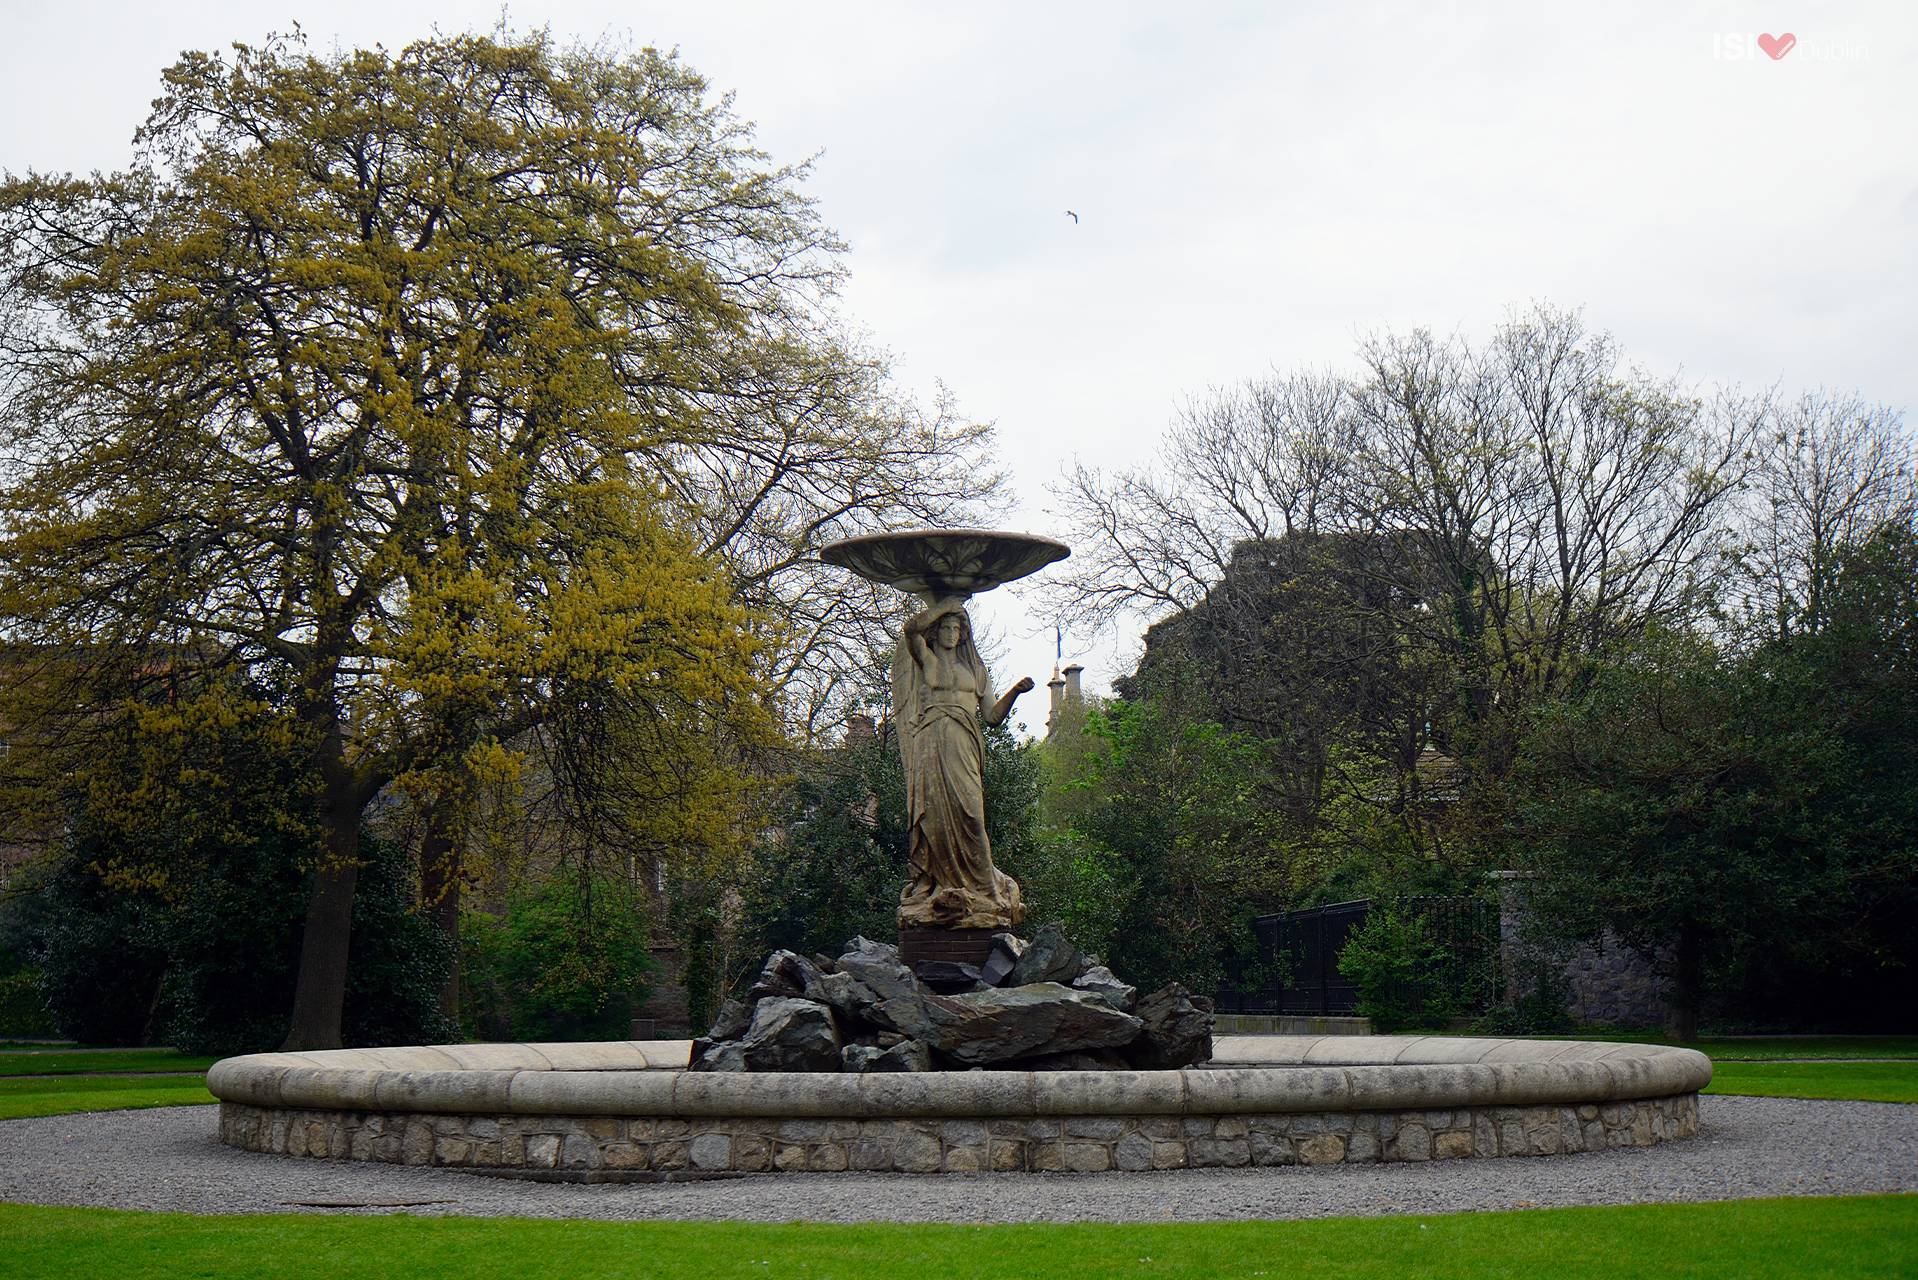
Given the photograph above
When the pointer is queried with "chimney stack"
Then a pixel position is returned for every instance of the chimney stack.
(1073, 692)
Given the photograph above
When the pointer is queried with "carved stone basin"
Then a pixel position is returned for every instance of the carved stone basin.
(630, 1110)
(945, 561)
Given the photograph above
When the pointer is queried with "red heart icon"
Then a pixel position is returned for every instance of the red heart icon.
(1777, 46)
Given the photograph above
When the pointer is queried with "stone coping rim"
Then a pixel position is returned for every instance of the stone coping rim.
(648, 1077)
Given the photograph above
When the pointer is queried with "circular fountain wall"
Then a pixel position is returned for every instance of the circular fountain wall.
(612, 1111)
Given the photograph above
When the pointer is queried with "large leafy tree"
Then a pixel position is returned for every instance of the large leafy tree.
(1174, 835)
(1748, 818)
(1303, 643)
(170, 910)
(390, 378)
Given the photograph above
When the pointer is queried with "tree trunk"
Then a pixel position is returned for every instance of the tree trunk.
(440, 900)
(1687, 986)
(319, 998)
(151, 1025)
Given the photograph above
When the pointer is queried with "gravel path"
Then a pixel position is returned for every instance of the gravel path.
(167, 1159)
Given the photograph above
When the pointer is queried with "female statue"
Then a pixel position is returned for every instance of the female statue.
(939, 687)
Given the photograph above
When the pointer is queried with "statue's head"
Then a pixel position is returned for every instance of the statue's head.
(951, 632)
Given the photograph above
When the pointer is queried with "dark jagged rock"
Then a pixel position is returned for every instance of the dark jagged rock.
(907, 1055)
(866, 949)
(868, 1011)
(857, 1058)
(916, 1017)
(724, 1055)
(1100, 982)
(1006, 949)
(949, 978)
(785, 973)
(734, 1017)
(895, 1000)
(840, 992)
(880, 972)
(1177, 1030)
(790, 1034)
(1049, 957)
(1017, 1022)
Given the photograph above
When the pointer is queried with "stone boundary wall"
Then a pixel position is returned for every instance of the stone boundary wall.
(598, 1146)
(631, 1108)
(1607, 983)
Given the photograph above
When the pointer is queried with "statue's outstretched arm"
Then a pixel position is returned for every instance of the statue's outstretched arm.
(1003, 708)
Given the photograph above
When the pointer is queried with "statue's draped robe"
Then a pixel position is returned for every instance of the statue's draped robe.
(954, 885)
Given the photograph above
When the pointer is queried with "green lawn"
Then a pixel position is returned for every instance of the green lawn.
(1769, 1048)
(20, 1098)
(1865, 1081)
(1854, 1237)
(27, 1062)
(1772, 1048)
(1748, 1048)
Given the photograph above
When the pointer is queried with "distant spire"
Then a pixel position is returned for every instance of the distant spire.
(1057, 685)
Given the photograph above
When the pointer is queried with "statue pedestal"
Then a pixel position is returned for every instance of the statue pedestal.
(955, 946)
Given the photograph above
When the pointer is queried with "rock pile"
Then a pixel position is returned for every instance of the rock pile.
(1038, 1006)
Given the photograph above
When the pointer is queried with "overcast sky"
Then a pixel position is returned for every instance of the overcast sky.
(1258, 184)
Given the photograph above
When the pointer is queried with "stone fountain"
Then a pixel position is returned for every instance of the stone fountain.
(830, 1065)
(630, 1111)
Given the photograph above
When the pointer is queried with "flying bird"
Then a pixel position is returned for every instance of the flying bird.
(1073, 216)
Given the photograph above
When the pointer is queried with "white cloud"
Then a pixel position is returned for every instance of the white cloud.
(1256, 184)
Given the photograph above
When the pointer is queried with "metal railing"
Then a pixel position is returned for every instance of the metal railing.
(1295, 969)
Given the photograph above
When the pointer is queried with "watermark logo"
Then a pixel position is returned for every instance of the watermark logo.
(1743, 46)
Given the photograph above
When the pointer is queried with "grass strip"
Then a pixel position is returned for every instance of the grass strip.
(1864, 1236)
(60, 1095)
(1860, 1081)
(1775, 1048)
(1742, 1048)
(33, 1062)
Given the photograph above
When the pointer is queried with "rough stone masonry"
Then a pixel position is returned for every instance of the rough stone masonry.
(601, 1147)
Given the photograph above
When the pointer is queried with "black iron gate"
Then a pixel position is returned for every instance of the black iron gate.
(1295, 967)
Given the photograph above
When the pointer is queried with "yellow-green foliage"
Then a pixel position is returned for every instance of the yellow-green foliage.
(369, 378)
(177, 771)
(393, 387)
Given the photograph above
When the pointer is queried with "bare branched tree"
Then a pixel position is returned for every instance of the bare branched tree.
(1528, 501)
(1560, 501)
(806, 453)
(1832, 470)
(1240, 464)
